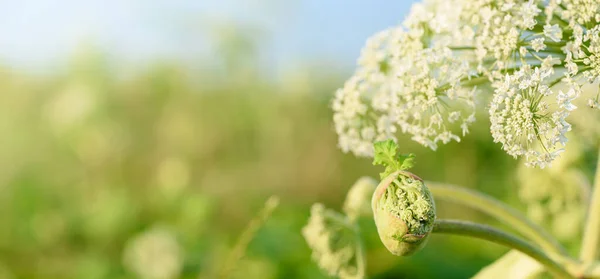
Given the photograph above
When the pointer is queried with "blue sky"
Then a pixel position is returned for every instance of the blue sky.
(42, 33)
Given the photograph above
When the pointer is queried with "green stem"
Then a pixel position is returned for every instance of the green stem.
(467, 81)
(497, 236)
(497, 209)
(247, 235)
(361, 263)
(462, 48)
(352, 225)
(555, 82)
(591, 235)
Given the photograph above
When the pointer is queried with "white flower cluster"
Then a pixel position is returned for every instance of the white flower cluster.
(332, 242)
(498, 26)
(528, 117)
(422, 78)
(406, 81)
(582, 12)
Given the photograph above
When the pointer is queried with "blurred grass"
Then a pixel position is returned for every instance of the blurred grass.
(91, 160)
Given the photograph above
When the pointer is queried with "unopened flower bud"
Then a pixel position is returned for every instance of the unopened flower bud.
(404, 212)
(358, 200)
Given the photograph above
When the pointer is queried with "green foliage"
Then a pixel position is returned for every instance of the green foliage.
(386, 154)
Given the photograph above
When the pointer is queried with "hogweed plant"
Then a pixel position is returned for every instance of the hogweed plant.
(525, 63)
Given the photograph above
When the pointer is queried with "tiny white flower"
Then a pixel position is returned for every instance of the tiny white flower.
(523, 51)
(553, 32)
(538, 44)
(454, 116)
(564, 99)
(524, 122)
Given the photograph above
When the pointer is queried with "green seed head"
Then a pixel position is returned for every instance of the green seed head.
(404, 212)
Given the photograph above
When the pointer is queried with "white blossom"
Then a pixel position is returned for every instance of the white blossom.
(592, 60)
(528, 118)
(579, 11)
(332, 242)
(553, 32)
(564, 99)
(425, 77)
(538, 44)
(403, 86)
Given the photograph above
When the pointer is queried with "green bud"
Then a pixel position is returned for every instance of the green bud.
(404, 212)
(358, 199)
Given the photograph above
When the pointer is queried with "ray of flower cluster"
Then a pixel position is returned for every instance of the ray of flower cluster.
(333, 243)
(424, 77)
(528, 117)
(410, 81)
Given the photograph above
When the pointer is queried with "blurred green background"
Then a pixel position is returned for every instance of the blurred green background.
(155, 174)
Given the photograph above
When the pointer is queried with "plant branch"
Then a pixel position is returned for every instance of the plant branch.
(591, 235)
(361, 263)
(497, 209)
(497, 236)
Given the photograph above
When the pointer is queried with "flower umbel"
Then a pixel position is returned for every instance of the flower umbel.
(529, 118)
(424, 77)
(403, 84)
(334, 243)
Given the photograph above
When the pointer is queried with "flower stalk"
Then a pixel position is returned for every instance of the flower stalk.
(497, 236)
(497, 209)
(591, 235)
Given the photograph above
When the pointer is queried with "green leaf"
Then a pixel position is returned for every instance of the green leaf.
(408, 161)
(513, 264)
(386, 154)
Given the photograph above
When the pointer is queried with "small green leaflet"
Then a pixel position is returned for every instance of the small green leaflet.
(386, 154)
